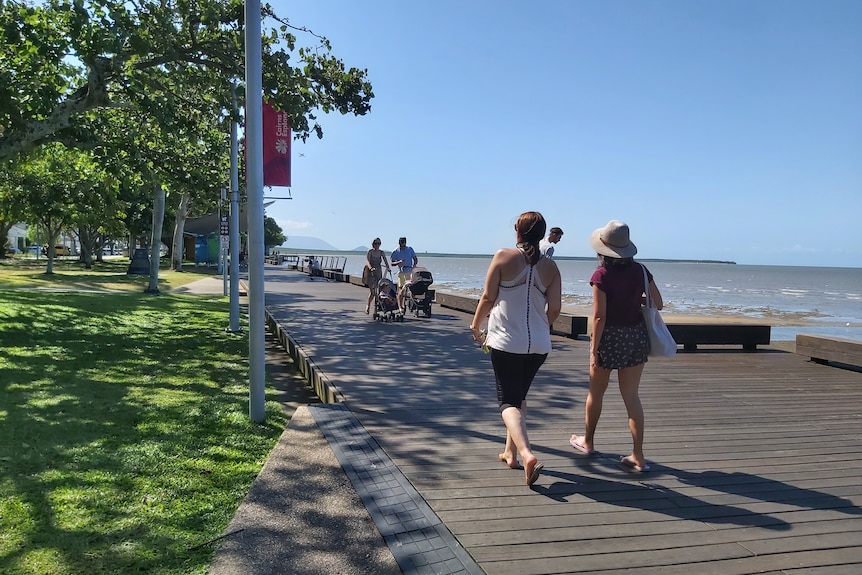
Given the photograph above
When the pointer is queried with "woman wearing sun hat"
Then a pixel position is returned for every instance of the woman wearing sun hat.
(619, 340)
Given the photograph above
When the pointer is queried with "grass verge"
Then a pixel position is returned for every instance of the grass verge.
(125, 442)
(23, 272)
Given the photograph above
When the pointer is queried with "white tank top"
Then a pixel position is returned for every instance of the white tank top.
(518, 322)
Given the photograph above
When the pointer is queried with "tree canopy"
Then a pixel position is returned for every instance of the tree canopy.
(272, 233)
(71, 57)
(146, 88)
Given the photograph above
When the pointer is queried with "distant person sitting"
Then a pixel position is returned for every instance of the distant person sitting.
(405, 258)
(546, 246)
(314, 268)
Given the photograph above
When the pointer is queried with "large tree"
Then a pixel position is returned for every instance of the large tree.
(67, 63)
(75, 56)
(273, 235)
(52, 186)
(179, 157)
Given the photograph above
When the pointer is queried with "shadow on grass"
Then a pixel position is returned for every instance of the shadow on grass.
(124, 436)
(110, 275)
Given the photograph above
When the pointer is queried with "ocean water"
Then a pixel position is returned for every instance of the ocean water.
(815, 300)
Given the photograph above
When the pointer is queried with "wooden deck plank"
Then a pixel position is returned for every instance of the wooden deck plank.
(755, 455)
(827, 561)
(806, 537)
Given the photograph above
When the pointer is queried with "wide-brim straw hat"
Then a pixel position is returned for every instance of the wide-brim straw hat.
(613, 240)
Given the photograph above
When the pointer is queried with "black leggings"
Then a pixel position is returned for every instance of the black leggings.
(514, 373)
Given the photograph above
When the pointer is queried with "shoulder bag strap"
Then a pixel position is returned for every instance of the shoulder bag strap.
(646, 286)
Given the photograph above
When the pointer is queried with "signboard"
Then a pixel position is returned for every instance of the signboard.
(224, 225)
(140, 264)
(277, 136)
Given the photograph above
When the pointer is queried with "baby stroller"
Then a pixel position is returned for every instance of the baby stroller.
(386, 302)
(417, 296)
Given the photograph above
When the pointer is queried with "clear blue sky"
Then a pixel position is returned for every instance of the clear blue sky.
(727, 130)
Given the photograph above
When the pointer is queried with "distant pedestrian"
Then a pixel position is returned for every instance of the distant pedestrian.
(619, 340)
(546, 246)
(521, 300)
(372, 273)
(405, 258)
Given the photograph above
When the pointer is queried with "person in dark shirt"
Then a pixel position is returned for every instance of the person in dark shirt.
(619, 340)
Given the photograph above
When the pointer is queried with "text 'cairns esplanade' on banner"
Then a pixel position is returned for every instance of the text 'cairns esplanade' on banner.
(276, 147)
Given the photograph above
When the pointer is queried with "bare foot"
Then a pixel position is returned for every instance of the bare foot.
(532, 468)
(511, 461)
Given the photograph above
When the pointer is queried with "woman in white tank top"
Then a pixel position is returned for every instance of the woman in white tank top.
(521, 300)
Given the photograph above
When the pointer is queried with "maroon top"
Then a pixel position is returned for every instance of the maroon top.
(624, 287)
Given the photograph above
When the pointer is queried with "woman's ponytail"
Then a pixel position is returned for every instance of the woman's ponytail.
(531, 228)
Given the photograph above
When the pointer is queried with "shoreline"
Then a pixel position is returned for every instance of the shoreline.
(713, 315)
(784, 325)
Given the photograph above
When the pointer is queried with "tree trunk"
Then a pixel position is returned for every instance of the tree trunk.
(98, 245)
(5, 227)
(86, 246)
(53, 234)
(177, 251)
(156, 238)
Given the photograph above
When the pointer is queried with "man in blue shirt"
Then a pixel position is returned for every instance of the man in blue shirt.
(405, 258)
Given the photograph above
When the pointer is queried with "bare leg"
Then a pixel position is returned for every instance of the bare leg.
(516, 427)
(630, 378)
(510, 452)
(370, 299)
(599, 378)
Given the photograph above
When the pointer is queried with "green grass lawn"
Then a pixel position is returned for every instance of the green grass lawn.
(29, 272)
(125, 441)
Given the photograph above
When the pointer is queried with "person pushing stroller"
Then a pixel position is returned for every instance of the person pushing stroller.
(405, 258)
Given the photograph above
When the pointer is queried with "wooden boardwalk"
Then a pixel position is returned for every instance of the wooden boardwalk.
(756, 456)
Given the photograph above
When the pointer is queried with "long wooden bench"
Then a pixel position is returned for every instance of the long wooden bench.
(690, 335)
(830, 349)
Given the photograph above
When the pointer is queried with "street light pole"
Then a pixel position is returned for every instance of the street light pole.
(254, 182)
(234, 220)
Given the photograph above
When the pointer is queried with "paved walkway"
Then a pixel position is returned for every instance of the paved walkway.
(754, 455)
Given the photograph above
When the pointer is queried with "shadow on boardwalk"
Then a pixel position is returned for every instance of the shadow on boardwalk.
(755, 455)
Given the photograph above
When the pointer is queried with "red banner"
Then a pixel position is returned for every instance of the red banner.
(277, 138)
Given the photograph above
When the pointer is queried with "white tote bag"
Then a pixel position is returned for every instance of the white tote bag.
(661, 342)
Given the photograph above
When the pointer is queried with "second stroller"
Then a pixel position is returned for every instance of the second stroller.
(416, 293)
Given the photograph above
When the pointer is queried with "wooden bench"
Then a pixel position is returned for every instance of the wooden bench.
(830, 349)
(570, 325)
(690, 335)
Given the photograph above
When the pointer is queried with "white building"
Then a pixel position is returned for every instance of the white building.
(17, 236)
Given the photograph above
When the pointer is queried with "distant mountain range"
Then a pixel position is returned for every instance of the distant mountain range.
(313, 243)
(307, 243)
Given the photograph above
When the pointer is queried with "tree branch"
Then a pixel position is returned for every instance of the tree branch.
(93, 94)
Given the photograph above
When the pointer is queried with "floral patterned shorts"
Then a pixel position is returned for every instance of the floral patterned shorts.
(623, 346)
